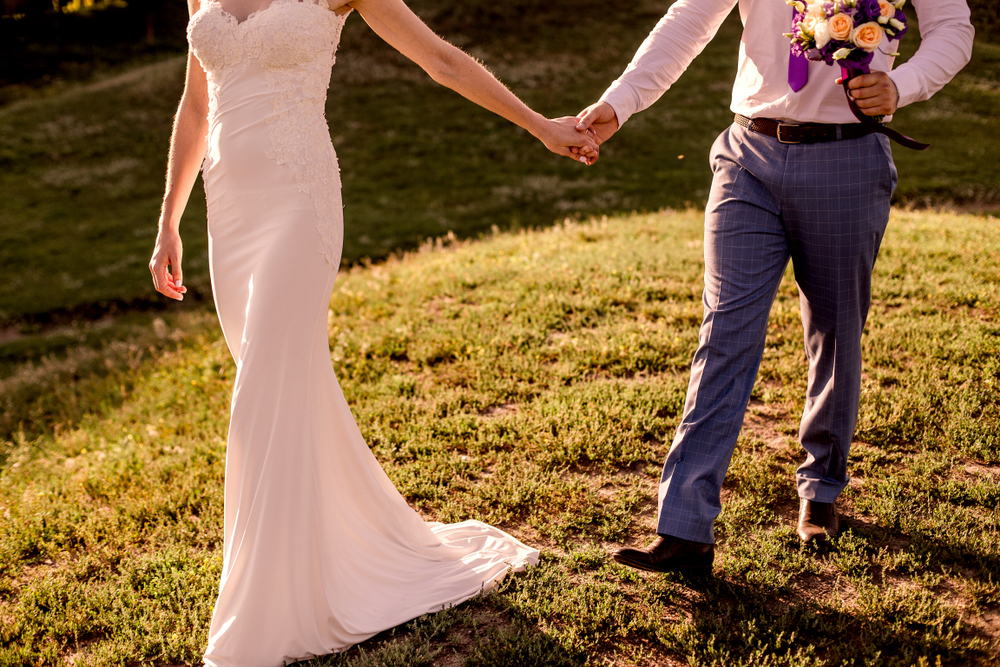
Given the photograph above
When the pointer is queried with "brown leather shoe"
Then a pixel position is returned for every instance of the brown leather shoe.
(818, 522)
(670, 554)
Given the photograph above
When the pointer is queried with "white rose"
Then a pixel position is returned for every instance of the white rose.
(822, 34)
(898, 25)
(840, 54)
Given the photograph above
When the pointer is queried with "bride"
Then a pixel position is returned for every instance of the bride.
(320, 551)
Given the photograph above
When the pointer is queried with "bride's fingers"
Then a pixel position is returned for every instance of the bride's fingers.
(586, 140)
(575, 156)
(177, 276)
(163, 282)
(177, 288)
(584, 143)
(589, 150)
(154, 270)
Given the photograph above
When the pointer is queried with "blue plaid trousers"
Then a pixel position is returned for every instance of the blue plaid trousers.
(824, 206)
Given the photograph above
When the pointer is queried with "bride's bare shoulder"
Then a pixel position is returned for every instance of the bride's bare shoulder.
(340, 7)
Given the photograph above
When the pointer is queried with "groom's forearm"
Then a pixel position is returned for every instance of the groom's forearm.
(946, 35)
(664, 55)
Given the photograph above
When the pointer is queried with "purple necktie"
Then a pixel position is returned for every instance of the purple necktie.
(798, 66)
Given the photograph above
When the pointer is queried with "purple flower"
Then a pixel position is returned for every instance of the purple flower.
(867, 10)
(901, 17)
(858, 59)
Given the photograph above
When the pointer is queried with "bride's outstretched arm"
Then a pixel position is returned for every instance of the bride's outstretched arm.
(187, 148)
(393, 21)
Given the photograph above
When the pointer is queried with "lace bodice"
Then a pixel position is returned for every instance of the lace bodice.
(290, 46)
(286, 33)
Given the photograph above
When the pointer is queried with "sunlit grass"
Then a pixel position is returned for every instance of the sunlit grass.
(533, 380)
(81, 167)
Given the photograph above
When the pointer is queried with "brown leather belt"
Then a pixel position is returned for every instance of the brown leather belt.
(804, 133)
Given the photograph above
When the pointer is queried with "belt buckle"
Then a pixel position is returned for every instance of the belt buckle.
(783, 141)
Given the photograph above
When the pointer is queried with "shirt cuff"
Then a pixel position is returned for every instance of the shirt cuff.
(622, 99)
(908, 85)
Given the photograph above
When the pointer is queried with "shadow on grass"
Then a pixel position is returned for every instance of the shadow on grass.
(549, 616)
(473, 634)
(736, 623)
(938, 553)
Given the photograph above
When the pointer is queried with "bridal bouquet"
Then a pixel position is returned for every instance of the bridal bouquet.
(845, 31)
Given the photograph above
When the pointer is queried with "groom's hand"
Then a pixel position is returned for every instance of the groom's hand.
(599, 121)
(561, 137)
(874, 93)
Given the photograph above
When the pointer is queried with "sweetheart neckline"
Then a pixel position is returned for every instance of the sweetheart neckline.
(231, 18)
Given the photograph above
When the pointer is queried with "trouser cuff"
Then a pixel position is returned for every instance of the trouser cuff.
(819, 491)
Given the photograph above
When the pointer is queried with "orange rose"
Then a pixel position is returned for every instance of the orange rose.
(868, 36)
(887, 9)
(840, 26)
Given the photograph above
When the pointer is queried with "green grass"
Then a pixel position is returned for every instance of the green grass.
(533, 380)
(81, 166)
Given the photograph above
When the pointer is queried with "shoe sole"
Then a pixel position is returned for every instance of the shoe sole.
(687, 570)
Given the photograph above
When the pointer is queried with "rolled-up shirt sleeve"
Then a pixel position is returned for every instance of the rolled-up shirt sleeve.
(946, 36)
(668, 50)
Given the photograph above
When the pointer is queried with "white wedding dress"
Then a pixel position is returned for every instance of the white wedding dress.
(320, 550)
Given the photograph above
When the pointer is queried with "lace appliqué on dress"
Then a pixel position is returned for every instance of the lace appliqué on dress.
(296, 50)
(300, 136)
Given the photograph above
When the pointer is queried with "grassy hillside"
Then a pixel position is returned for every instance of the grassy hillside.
(81, 167)
(533, 380)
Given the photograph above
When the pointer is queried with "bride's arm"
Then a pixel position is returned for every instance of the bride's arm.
(393, 21)
(187, 149)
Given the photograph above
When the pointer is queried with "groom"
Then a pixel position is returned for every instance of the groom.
(795, 177)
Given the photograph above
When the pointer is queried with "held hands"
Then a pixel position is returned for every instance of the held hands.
(599, 119)
(580, 137)
(875, 93)
(168, 252)
(561, 137)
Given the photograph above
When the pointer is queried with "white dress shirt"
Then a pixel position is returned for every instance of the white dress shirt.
(761, 88)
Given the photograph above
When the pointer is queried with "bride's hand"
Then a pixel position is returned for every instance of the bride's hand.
(561, 137)
(167, 253)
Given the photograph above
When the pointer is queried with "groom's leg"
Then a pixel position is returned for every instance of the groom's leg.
(835, 228)
(745, 256)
